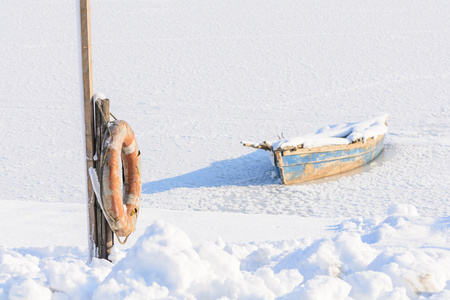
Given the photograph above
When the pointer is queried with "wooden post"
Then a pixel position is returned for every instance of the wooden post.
(100, 235)
(88, 117)
(105, 237)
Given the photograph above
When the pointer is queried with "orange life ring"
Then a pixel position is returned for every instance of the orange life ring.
(119, 145)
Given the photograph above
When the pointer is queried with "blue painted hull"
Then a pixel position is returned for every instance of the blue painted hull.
(308, 164)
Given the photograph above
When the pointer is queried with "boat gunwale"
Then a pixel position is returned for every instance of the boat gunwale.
(330, 148)
(331, 159)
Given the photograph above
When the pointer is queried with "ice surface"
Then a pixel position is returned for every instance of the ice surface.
(193, 78)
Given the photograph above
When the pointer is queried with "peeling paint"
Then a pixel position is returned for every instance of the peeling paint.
(308, 164)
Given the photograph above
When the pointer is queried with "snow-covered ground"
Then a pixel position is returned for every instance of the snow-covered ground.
(194, 79)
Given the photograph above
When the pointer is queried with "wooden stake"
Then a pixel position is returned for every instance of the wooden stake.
(105, 237)
(101, 237)
(88, 117)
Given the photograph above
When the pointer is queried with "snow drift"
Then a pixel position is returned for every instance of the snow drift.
(363, 260)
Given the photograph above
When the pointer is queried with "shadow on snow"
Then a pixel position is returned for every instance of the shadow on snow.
(251, 169)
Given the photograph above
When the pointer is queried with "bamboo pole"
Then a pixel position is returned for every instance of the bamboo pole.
(88, 118)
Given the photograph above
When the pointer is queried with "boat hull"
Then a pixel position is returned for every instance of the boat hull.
(307, 164)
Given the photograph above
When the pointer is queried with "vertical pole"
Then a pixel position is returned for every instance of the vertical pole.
(88, 117)
(104, 233)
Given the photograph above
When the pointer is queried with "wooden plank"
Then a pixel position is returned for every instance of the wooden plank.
(100, 253)
(262, 147)
(309, 166)
(268, 145)
(355, 145)
(104, 232)
(85, 13)
(88, 116)
(279, 164)
(98, 211)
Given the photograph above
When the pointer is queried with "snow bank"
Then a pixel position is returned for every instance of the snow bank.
(339, 134)
(165, 263)
(365, 259)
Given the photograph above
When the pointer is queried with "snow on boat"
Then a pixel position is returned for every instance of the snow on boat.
(331, 150)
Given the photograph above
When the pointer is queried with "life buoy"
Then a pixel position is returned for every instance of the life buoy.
(119, 145)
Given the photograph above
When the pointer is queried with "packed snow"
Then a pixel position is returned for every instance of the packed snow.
(338, 134)
(394, 258)
(193, 79)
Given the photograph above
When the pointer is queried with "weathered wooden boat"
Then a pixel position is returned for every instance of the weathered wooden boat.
(346, 147)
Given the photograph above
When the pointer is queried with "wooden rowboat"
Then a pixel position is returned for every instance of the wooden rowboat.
(298, 164)
(308, 164)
